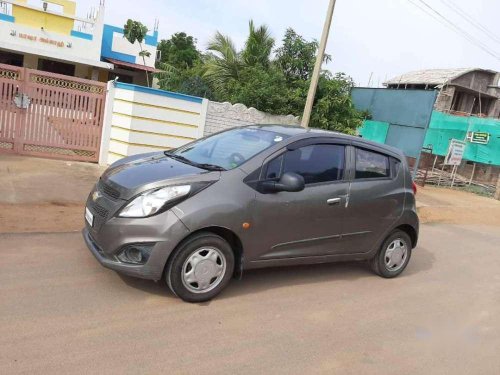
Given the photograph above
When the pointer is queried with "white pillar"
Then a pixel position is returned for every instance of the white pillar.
(203, 117)
(106, 126)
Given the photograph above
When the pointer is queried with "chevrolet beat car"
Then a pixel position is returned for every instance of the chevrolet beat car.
(252, 197)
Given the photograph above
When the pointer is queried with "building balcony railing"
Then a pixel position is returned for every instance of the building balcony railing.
(6, 12)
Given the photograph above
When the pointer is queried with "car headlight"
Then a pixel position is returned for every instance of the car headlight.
(151, 202)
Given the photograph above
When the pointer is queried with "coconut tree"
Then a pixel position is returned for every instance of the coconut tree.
(134, 31)
(224, 63)
(258, 46)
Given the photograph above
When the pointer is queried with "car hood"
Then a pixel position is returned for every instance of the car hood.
(138, 173)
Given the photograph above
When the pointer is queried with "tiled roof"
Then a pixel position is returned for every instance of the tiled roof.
(431, 76)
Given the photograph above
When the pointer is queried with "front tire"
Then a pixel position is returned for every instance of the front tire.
(393, 256)
(200, 268)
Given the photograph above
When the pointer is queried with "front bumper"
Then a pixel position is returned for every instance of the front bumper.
(165, 230)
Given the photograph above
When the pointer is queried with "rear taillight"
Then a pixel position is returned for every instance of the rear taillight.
(414, 187)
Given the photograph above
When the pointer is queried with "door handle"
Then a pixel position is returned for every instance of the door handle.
(333, 201)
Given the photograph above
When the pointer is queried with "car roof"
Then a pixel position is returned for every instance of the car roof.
(293, 131)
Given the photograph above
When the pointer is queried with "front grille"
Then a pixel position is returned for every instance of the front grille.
(108, 190)
(100, 214)
(99, 210)
(103, 206)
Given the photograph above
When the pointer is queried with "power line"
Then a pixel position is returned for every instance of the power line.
(471, 20)
(453, 28)
(478, 43)
(431, 15)
(440, 18)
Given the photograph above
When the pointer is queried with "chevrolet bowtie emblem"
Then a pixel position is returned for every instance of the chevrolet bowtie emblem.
(96, 195)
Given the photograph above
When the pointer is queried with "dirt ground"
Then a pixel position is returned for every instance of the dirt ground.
(442, 205)
(43, 195)
(52, 194)
(62, 313)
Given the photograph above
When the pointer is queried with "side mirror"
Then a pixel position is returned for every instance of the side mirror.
(290, 181)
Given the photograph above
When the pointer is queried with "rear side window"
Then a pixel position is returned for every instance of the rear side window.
(371, 164)
(316, 163)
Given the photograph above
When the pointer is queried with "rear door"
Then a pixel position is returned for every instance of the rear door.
(306, 223)
(376, 198)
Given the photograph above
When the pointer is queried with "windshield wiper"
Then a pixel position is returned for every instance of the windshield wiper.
(179, 157)
(210, 167)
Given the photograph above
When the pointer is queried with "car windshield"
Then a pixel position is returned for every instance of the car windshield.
(229, 149)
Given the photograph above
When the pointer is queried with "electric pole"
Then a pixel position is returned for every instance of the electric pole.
(317, 67)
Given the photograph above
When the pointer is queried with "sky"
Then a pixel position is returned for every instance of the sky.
(377, 38)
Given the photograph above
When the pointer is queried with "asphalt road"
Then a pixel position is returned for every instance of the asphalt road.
(61, 312)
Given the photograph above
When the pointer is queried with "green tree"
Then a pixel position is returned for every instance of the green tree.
(182, 67)
(296, 57)
(333, 108)
(263, 89)
(135, 31)
(179, 51)
(258, 46)
(189, 81)
(223, 64)
(253, 77)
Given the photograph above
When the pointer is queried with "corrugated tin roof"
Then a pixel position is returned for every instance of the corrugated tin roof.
(431, 76)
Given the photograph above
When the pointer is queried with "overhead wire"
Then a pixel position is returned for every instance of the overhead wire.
(429, 10)
(471, 20)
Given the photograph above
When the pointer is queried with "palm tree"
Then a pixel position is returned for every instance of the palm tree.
(258, 46)
(224, 63)
(135, 31)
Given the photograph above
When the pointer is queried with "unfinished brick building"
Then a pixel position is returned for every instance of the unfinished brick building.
(461, 91)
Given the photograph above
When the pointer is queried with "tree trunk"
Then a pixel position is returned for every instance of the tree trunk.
(144, 61)
(497, 193)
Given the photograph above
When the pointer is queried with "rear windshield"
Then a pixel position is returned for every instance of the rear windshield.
(231, 148)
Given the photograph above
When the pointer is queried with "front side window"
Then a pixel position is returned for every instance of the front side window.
(371, 164)
(316, 163)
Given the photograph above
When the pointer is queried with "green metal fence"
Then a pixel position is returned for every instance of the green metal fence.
(444, 127)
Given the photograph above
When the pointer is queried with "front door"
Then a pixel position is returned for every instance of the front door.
(306, 223)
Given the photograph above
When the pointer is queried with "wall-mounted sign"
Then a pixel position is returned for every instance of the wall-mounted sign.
(482, 138)
(34, 38)
(455, 152)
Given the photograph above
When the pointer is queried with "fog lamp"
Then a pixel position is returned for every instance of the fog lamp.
(135, 254)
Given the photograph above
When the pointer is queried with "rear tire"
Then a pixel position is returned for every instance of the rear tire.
(200, 268)
(393, 256)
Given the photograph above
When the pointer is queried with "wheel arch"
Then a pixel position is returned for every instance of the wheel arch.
(228, 235)
(411, 232)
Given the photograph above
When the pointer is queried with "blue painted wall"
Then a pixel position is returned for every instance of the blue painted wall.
(408, 113)
(6, 17)
(107, 44)
(79, 34)
(149, 90)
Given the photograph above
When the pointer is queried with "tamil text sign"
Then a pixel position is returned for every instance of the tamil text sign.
(455, 152)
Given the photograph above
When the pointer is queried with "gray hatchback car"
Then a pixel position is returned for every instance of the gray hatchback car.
(252, 197)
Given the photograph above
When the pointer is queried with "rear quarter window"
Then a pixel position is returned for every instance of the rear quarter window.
(371, 164)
